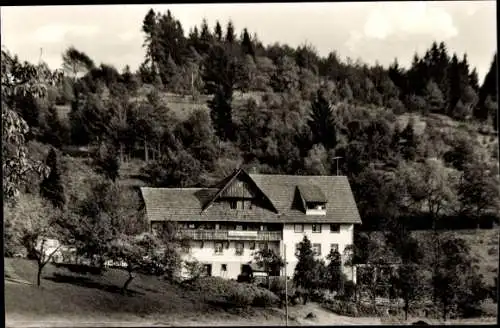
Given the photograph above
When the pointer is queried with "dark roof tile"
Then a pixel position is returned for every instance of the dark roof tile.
(185, 204)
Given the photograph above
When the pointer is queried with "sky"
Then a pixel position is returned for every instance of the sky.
(370, 31)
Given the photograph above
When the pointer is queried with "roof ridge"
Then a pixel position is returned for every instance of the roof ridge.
(193, 188)
(296, 175)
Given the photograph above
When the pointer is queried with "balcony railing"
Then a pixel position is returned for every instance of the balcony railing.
(229, 235)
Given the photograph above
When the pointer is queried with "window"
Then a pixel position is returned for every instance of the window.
(316, 249)
(223, 267)
(217, 226)
(334, 227)
(233, 204)
(298, 227)
(239, 227)
(218, 248)
(252, 245)
(316, 228)
(263, 228)
(334, 247)
(191, 226)
(239, 248)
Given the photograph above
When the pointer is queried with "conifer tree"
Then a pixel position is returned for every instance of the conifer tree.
(322, 122)
(230, 34)
(334, 276)
(409, 148)
(488, 88)
(52, 187)
(221, 115)
(246, 44)
(218, 31)
(434, 97)
(304, 275)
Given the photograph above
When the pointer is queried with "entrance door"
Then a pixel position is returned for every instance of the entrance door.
(208, 269)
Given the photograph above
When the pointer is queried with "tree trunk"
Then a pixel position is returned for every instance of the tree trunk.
(39, 275)
(127, 283)
(407, 308)
(146, 155)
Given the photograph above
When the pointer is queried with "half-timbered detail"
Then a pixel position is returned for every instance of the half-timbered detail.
(227, 223)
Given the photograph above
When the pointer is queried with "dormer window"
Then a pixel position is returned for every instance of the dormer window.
(316, 206)
(313, 199)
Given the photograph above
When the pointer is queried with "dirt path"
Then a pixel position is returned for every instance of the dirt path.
(297, 316)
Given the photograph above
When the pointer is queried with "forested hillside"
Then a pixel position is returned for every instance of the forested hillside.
(415, 143)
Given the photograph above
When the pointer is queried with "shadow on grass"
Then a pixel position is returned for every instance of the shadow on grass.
(89, 283)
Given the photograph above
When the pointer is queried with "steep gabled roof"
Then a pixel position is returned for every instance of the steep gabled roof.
(197, 204)
(232, 178)
(340, 206)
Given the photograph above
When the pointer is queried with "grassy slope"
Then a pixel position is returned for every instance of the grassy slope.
(155, 302)
(98, 298)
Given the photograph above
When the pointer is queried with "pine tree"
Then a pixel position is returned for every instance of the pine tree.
(409, 146)
(474, 80)
(322, 122)
(218, 31)
(246, 44)
(335, 278)
(108, 163)
(488, 88)
(152, 44)
(52, 187)
(230, 34)
(221, 115)
(304, 275)
(434, 97)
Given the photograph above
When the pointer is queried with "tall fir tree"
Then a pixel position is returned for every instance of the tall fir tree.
(230, 33)
(218, 31)
(152, 42)
(246, 44)
(52, 187)
(322, 122)
(335, 278)
(221, 115)
(488, 89)
(307, 274)
(434, 97)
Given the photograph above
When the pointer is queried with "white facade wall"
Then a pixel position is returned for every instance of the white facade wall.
(325, 238)
(233, 262)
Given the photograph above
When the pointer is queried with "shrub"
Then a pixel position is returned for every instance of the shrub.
(264, 298)
(342, 308)
(349, 290)
(194, 270)
(239, 298)
(278, 287)
(233, 293)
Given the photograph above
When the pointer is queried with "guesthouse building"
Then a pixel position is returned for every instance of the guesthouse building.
(227, 223)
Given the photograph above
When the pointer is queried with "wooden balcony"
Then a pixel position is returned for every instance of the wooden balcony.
(230, 235)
